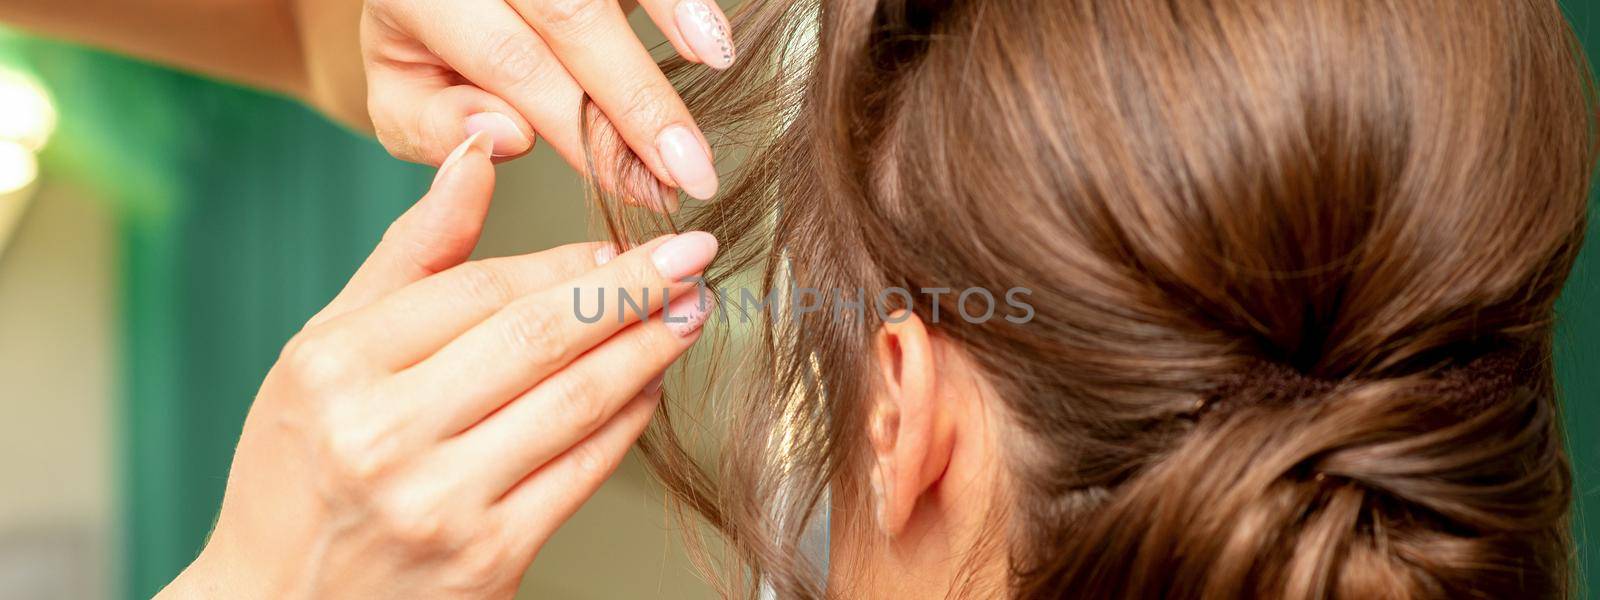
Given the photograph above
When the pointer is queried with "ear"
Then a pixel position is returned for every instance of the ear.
(909, 427)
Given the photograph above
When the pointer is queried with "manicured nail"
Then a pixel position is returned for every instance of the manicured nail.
(688, 314)
(605, 254)
(687, 161)
(705, 29)
(477, 140)
(509, 139)
(685, 255)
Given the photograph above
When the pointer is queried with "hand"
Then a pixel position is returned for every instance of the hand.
(439, 71)
(431, 428)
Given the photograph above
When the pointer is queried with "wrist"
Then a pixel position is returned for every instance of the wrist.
(198, 580)
(215, 574)
(330, 53)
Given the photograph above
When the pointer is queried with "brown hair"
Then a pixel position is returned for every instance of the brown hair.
(1368, 194)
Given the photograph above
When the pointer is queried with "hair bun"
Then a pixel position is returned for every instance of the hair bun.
(1418, 486)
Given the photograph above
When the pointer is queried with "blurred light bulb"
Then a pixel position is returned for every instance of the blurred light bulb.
(18, 167)
(27, 115)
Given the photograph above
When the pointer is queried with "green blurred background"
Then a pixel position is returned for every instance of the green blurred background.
(184, 229)
(181, 231)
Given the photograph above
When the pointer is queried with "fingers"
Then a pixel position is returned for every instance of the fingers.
(532, 338)
(401, 329)
(438, 232)
(577, 400)
(540, 504)
(541, 58)
(420, 107)
(593, 40)
(486, 42)
(698, 30)
(421, 118)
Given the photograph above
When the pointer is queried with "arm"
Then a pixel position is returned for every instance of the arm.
(307, 49)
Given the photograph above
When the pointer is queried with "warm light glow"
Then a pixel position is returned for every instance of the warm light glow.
(27, 116)
(18, 167)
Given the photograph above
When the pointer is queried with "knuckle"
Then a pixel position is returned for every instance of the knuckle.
(644, 106)
(517, 60)
(565, 14)
(359, 454)
(419, 527)
(483, 283)
(535, 333)
(639, 274)
(586, 410)
(591, 461)
(319, 359)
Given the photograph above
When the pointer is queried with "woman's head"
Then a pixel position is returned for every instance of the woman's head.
(1375, 200)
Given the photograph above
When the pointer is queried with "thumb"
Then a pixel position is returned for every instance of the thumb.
(421, 119)
(437, 233)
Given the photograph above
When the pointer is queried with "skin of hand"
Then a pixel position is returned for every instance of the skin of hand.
(427, 431)
(440, 71)
(425, 74)
(334, 74)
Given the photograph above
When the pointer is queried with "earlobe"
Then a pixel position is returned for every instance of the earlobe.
(908, 427)
(883, 431)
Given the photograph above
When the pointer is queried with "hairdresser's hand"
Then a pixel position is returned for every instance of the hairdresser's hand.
(438, 71)
(427, 432)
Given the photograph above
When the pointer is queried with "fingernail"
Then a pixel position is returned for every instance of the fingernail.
(605, 254)
(705, 29)
(509, 139)
(474, 140)
(687, 161)
(684, 255)
(688, 314)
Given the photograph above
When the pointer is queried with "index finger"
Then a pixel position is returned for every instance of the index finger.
(698, 29)
(404, 327)
(528, 340)
(593, 40)
(437, 233)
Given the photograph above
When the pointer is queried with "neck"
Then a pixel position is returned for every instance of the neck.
(953, 545)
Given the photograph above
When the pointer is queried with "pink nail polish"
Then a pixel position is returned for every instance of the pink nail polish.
(705, 30)
(684, 255)
(509, 139)
(686, 159)
(687, 314)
